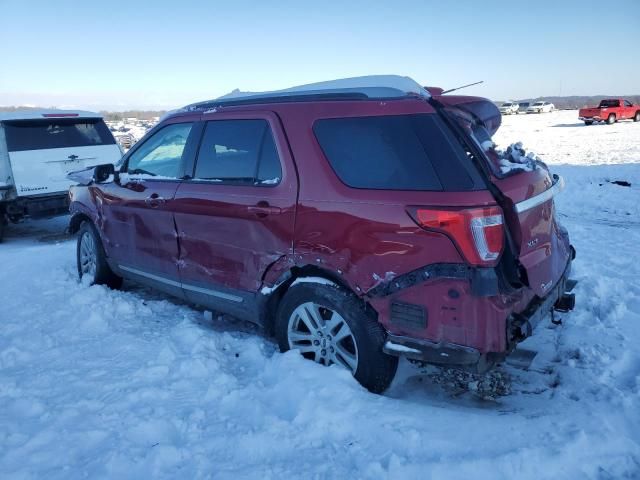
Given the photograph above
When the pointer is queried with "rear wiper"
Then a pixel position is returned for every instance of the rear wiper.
(140, 171)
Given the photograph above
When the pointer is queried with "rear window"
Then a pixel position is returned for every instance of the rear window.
(609, 103)
(56, 133)
(403, 152)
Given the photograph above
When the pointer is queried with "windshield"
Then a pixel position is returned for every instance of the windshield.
(609, 103)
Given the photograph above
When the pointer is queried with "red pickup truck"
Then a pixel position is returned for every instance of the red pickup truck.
(610, 110)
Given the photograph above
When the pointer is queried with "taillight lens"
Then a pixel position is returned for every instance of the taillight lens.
(478, 232)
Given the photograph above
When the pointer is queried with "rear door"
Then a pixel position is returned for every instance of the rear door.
(138, 226)
(235, 217)
(43, 151)
(543, 250)
(541, 245)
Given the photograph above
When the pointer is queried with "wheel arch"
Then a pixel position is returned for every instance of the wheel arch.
(76, 220)
(272, 296)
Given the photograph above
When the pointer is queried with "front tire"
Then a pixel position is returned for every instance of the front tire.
(588, 122)
(611, 119)
(92, 260)
(330, 325)
(636, 117)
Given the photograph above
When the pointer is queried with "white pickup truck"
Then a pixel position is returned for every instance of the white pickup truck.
(38, 148)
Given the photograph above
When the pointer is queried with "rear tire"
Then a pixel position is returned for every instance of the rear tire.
(588, 122)
(337, 311)
(92, 260)
(636, 118)
(611, 119)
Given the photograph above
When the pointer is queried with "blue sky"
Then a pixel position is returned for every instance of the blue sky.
(162, 54)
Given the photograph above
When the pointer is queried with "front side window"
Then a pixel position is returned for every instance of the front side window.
(44, 134)
(396, 152)
(161, 154)
(239, 152)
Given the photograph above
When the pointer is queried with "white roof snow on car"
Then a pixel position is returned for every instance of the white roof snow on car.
(373, 86)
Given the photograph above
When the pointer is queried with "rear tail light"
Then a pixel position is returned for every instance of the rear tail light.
(478, 232)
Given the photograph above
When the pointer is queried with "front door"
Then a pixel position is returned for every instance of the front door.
(627, 109)
(235, 217)
(139, 230)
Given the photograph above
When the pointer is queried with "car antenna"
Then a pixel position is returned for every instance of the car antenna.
(463, 86)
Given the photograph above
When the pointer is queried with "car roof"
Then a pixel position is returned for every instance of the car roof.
(39, 114)
(371, 87)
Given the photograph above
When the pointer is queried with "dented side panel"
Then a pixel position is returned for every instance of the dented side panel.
(230, 234)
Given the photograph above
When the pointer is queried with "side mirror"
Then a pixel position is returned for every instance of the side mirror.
(101, 173)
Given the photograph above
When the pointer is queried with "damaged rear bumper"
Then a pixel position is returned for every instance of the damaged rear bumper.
(519, 327)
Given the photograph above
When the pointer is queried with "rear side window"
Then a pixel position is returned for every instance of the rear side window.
(56, 133)
(238, 151)
(403, 152)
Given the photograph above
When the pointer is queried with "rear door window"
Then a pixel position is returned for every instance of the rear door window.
(56, 133)
(238, 152)
(400, 152)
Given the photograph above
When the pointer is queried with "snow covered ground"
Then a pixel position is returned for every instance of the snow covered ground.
(102, 384)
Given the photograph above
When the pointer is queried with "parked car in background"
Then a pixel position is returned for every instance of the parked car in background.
(610, 110)
(509, 108)
(126, 140)
(540, 107)
(38, 148)
(522, 107)
(354, 229)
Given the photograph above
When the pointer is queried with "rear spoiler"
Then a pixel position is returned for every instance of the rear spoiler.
(481, 108)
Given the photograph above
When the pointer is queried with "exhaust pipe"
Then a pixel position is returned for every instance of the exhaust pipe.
(565, 303)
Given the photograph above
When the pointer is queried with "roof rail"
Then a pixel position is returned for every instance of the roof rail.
(357, 88)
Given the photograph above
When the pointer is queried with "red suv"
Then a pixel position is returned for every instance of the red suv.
(356, 221)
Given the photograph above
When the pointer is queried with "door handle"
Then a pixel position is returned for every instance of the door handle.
(154, 200)
(263, 209)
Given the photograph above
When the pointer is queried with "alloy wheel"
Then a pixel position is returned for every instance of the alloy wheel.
(322, 335)
(88, 256)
